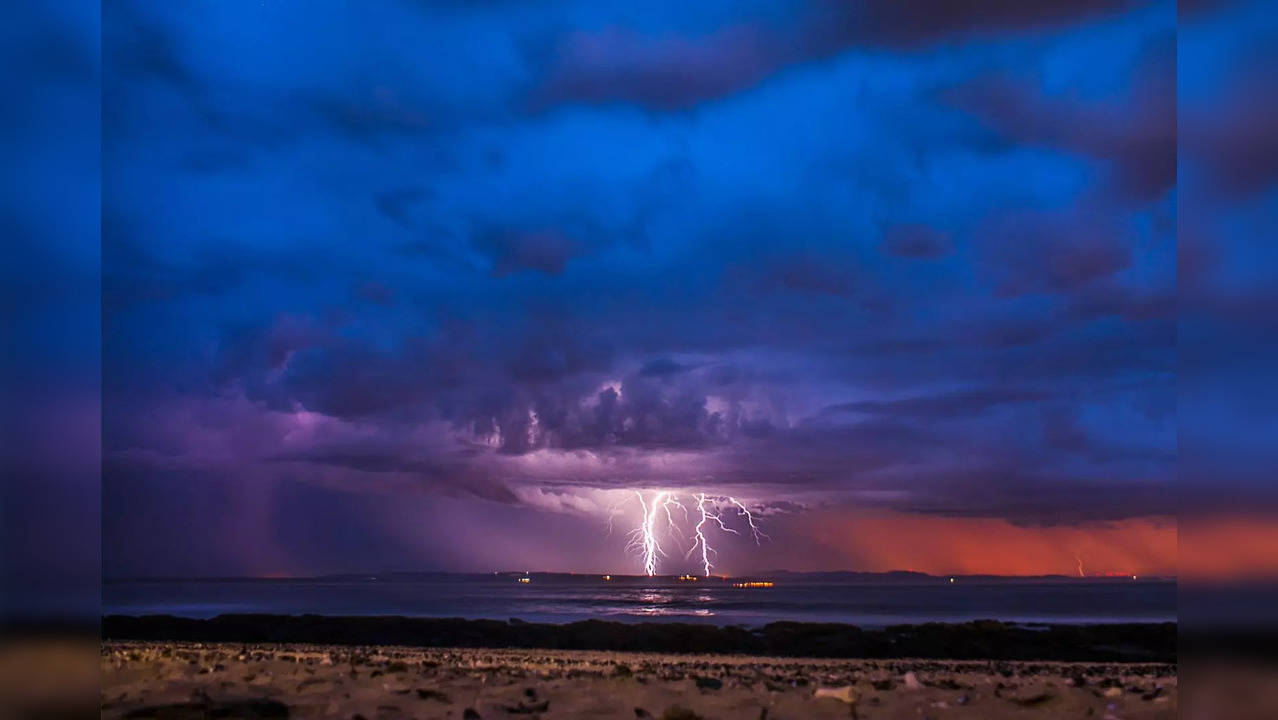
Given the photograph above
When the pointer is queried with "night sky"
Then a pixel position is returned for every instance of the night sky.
(438, 285)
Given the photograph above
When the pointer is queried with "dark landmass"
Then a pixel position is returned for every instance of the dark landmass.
(979, 640)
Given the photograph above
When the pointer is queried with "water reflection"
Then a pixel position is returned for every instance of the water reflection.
(653, 600)
(657, 596)
(558, 600)
(663, 602)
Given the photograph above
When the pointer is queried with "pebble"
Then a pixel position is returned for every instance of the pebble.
(427, 694)
(708, 683)
(678, 712)
(843, 694)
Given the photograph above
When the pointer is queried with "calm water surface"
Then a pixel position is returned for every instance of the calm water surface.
(563, 599)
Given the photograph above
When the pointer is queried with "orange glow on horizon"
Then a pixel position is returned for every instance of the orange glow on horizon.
(1229, 547)
(885, 541)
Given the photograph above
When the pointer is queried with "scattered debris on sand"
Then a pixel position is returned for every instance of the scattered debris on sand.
(188, 680)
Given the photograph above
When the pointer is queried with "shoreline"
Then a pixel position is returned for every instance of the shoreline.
(978, 640)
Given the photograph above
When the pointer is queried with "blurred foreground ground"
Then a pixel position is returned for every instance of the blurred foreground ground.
(234, 680)
(48, 677)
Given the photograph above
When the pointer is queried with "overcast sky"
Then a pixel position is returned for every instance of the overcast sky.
(439, 285)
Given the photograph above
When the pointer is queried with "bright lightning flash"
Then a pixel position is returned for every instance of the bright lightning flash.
(700, 540)
(754, 529)
(644, 539)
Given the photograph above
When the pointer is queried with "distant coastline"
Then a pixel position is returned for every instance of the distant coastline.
(892, 576)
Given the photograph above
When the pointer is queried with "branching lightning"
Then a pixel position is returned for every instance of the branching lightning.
(644, 537)
(700, 538)
(645, 541)
(754, 529)
(672, 499)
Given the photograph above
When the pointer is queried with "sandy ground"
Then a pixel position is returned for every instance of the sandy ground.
(162, 680)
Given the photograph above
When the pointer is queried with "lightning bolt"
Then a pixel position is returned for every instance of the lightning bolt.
(754, 529)
(700, 538)
(644, 539)
(1080, 566)
(673, 500)
(612, 513)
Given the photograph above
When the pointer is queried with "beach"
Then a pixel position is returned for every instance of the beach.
(166, 679)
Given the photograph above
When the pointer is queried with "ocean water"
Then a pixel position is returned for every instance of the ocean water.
(874, 602)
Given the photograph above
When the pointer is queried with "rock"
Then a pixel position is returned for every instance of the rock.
(527, 708)
(1113, 692)
(883, 685)
(911, 681)
(470, 714)
(641, 713)
(677, 712)
(846, 694)
(428, 694)
(708, 683)
(1032, 700)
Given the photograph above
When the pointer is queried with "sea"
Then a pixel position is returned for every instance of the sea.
(867, 600)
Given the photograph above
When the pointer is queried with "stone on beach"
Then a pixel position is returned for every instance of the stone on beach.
(678, 712)
(846, 694)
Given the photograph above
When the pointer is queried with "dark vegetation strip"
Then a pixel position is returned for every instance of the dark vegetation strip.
(979, 640)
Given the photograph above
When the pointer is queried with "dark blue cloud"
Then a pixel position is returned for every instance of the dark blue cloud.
(50, 311)
(890, 251)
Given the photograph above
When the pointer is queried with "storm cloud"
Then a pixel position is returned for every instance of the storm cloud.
(825, 255)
